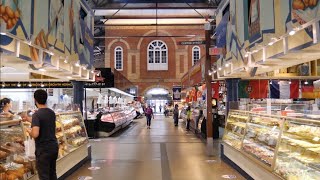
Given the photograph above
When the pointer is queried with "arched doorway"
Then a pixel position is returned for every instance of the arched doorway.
(157, 98)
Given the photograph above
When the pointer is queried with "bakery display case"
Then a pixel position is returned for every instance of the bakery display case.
(285, 147)
(235, 128)
(73, 130)
(13, 162)
(299, 150)
(71, 135)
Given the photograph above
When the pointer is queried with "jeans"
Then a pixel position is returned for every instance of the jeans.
(148, 120)
(46, 158)
(188, 124)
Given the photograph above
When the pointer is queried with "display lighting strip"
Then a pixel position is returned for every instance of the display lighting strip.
(316, 39)
(28, 42)
(41, 50)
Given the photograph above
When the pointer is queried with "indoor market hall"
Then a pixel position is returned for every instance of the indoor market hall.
(164, 152)
(159, 89)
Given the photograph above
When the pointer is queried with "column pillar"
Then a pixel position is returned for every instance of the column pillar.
(78, 93)
(232, 93)
(208, 79)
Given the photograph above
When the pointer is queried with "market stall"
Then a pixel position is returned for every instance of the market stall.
(269, 146)
(108, 110)
(73, 146)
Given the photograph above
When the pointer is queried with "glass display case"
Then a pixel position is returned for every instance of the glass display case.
(70, 133)
(73, 130)
(235, 129)
(285, 146)
(299, 151)
(261, 137)
(13, 162)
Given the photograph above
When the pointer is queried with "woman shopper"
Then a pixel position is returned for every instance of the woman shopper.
(188, 118)
(149, 115)
(5, 108)
(43, 127)
(176, 115)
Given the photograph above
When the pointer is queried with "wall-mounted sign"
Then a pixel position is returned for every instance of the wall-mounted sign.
(104, 80)
(191, 42)
(215, 51)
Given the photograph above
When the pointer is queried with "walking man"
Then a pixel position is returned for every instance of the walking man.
(149, 115)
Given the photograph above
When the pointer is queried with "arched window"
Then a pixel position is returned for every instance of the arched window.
(195, 54)
(157, 56)
(118, 58)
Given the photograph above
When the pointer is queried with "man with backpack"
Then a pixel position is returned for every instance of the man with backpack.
(149, 115)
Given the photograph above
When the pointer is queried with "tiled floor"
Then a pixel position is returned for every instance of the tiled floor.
(164, 152)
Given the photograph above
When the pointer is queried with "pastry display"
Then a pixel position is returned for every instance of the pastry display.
(58, 126)
(70, 132)
(260, 152)
(73, 130)
(78, 141)
(3, 154)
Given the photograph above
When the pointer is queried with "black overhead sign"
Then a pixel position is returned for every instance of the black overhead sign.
(36, 85)
(104, 80)
(192, 42)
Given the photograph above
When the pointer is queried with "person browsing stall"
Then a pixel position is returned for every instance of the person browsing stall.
(43, 126)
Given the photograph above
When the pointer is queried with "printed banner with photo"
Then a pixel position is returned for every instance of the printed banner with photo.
(176, 93)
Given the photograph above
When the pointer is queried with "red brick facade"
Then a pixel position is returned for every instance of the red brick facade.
(135, 53)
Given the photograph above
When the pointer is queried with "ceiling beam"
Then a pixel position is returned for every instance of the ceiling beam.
(199, 24)
(143, 8)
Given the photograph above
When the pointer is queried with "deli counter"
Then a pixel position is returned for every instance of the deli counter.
(272, 147)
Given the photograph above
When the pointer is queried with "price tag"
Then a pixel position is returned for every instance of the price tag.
(316, 139)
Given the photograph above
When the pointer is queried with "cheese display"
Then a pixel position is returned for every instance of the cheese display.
(286, 146)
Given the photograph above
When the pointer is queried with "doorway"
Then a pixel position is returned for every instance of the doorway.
(157, 98)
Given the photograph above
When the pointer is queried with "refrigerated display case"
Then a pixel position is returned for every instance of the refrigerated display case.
(112, 121)
(235, 129)
(299, 150)
(275, 146)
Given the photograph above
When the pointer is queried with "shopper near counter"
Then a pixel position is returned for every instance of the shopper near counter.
(5, 108)
(43, 127)
(188, 117)
(176, 115)
(149, 115)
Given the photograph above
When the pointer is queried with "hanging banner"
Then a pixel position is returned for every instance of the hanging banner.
(215, 90)
(256, 89)
(284, 89)
(176, 93)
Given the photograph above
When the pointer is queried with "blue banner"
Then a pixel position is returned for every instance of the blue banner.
(176, 93)
(221, 31)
